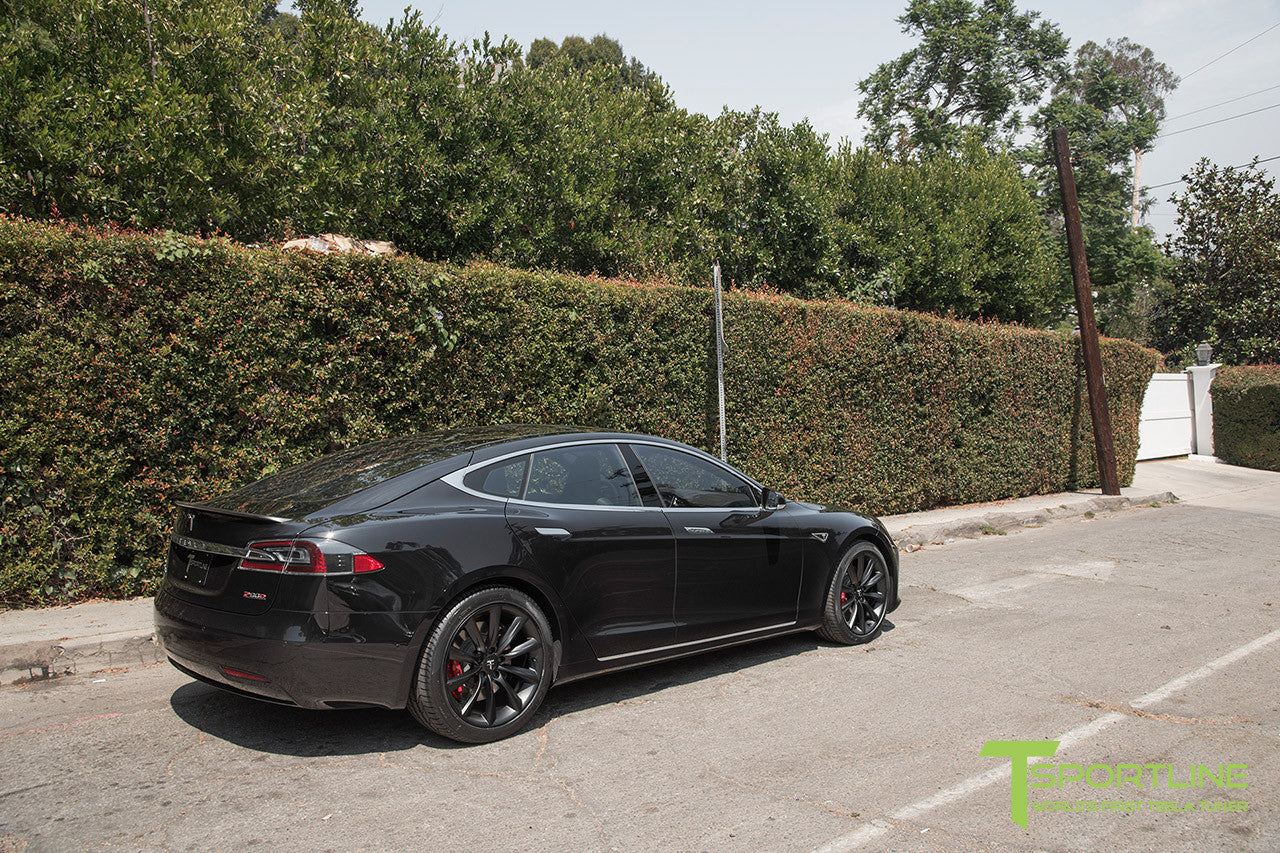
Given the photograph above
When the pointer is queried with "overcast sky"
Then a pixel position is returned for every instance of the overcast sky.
(804, 58)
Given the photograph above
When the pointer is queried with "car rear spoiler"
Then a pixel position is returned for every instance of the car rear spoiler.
(231, 513)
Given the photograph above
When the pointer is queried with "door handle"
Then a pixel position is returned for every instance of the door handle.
(699, 530)
(554, 532)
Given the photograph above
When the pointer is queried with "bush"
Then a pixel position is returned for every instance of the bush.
(140, 369)
(1246, 416)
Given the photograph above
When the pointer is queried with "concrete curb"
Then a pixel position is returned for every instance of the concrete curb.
(95, 635)
(45, 659)
(912, 536)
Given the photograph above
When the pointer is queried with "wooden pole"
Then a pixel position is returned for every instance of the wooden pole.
(1137, 186)
(724, 446)
(1102, 440)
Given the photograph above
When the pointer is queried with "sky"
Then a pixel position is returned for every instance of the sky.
(803, 59)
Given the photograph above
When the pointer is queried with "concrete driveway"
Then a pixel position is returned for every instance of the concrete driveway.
(1147, 636)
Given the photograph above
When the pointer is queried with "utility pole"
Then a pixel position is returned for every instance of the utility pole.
(1137, 185)
(724, 449)
(1104, 445)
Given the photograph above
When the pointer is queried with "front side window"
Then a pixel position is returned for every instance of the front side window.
(587, 475)
(684, 480)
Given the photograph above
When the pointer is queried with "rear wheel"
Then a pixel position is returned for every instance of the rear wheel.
(486, 667)
(858, 597)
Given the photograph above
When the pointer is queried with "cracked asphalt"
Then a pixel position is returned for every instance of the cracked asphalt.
(1141, 634)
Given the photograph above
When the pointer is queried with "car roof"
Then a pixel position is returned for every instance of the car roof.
(524, 437)
(369, 475)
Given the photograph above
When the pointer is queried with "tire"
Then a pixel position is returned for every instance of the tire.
(486, 667)
(858, 597)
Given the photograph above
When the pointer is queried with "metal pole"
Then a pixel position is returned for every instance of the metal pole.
(1103, 443)
(724, 448)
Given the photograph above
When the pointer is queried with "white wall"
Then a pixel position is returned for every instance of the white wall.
(1166, 425)
(1177, 414)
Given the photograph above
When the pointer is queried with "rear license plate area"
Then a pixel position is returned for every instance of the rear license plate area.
(198, 569)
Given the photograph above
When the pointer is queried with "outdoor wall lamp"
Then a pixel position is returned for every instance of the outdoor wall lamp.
(1204, 354)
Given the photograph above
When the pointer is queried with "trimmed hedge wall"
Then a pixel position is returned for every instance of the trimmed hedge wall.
(140, 369)
(1246, 416)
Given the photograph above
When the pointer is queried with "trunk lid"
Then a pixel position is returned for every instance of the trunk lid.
(205, 548)
(211, 537)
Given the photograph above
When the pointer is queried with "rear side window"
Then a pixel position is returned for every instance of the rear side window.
(588, 475)
(503, 479)
(687, 481)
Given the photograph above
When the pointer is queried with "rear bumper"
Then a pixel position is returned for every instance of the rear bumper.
(301, 662)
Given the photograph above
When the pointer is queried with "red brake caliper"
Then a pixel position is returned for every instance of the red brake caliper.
(452, 670)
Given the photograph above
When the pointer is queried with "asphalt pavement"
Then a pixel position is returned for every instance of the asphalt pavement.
(1140, 642)
(100, 635)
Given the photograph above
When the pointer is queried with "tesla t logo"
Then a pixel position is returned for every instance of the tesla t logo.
(256, 596)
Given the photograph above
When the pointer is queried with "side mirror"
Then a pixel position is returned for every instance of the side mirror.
(773, 500)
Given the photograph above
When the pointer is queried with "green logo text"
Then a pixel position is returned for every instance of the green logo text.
(1018, 751)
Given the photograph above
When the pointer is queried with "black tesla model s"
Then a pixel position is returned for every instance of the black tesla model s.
(461, 573)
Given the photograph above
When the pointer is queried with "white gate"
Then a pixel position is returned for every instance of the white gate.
(1165, 425)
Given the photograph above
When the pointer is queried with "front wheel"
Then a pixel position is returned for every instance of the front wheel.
(858, 598)
(485, 669)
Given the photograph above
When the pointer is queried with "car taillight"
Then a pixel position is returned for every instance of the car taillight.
(299, 556)
(294, 556)
(365, 563)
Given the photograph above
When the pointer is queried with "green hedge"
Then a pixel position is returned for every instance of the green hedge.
(1246, 416)
(139, 369)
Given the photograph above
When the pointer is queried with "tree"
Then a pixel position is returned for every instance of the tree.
(1110, 105)
(769, 200)
(1225, 282)
(582, 175)
(541, 52)
(956, 232)
(976, 66)
(263, 125)
(1140, 106)
(164, 115)
(577, 54)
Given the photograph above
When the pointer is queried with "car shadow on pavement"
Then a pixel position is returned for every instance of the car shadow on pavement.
(284, 730)
(646, 681)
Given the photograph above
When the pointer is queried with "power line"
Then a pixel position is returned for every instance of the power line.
(1218, 121)
(1233, 50)
(1240, 166)
(1222, 103)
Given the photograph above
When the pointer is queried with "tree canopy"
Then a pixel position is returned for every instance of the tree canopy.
(956, 233)
(229, 117)
(602, 52)
(976, 67)
(975, 71)
(1110, 103)
(1225, 282)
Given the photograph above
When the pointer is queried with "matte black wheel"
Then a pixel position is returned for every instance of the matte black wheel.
(485, 669)
(858, 597)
